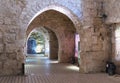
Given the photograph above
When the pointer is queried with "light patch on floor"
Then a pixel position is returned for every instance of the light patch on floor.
(72, 67)
(53, 61)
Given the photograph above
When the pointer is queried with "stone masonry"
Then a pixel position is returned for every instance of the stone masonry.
(94, 20)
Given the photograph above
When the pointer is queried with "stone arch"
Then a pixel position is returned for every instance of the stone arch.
(26, 21)
(64, 29)
(61, 9)
(45, 33)
(50, 39)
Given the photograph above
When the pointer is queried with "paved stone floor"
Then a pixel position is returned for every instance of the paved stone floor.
(43, 70)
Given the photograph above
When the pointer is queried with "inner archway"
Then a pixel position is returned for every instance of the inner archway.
(64, 30)
(49, 42)
(37, 42)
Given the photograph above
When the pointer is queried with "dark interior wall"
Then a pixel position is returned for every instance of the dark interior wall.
(53, 45)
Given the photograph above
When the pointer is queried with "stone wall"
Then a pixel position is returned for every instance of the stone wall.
(14, 18)
(16, 15)
(95, 38)
(11, 48)
(54, 47)
(100, 19)
(112, 9)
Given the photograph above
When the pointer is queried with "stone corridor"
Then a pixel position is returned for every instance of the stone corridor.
(42, 70)
(43, 66)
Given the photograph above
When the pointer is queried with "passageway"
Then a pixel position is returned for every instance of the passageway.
(40, 65)
(62, 44)
(43, 70)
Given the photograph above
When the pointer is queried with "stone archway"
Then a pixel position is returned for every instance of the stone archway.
(26, 18)
(63, 10)
(43, 32)
(64, 29)
(51, 41)
(74, 20)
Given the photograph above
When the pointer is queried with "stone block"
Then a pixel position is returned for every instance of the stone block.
(1, 20)
(9, 67)
(1, 48)
(20, 56)
(97, 47)
(98, 56)
(93, 61)
(10, 48)
(7, 20)
(1, 66)
(1, 34)
(1, 37)
(11, 56)
(3, 57)
(114, 16)
(95, 40)
(1, 40)
(10, 38)
(13, 29)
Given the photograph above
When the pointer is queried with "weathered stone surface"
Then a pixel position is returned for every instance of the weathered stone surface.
(9, 38)
(1, 48)
(95, 35)
(7, 20)
(8, 69)
(11, 56)
(10, 48)
(1, 37)
(1, 65)
(95, 38)
(112, 11)
(1, 21)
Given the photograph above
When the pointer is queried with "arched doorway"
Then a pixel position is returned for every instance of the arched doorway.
(64, 29)
(63, 24)
(37, 43)
(48, 40)
(42, 40)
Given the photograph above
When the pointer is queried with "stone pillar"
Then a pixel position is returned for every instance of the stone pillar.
(95, 38)
(66, 46)
(53, 45)
(11, 46)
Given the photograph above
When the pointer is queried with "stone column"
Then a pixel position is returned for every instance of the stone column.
(95, 38)
(66, 46)
(53, 45)
(11, 45)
